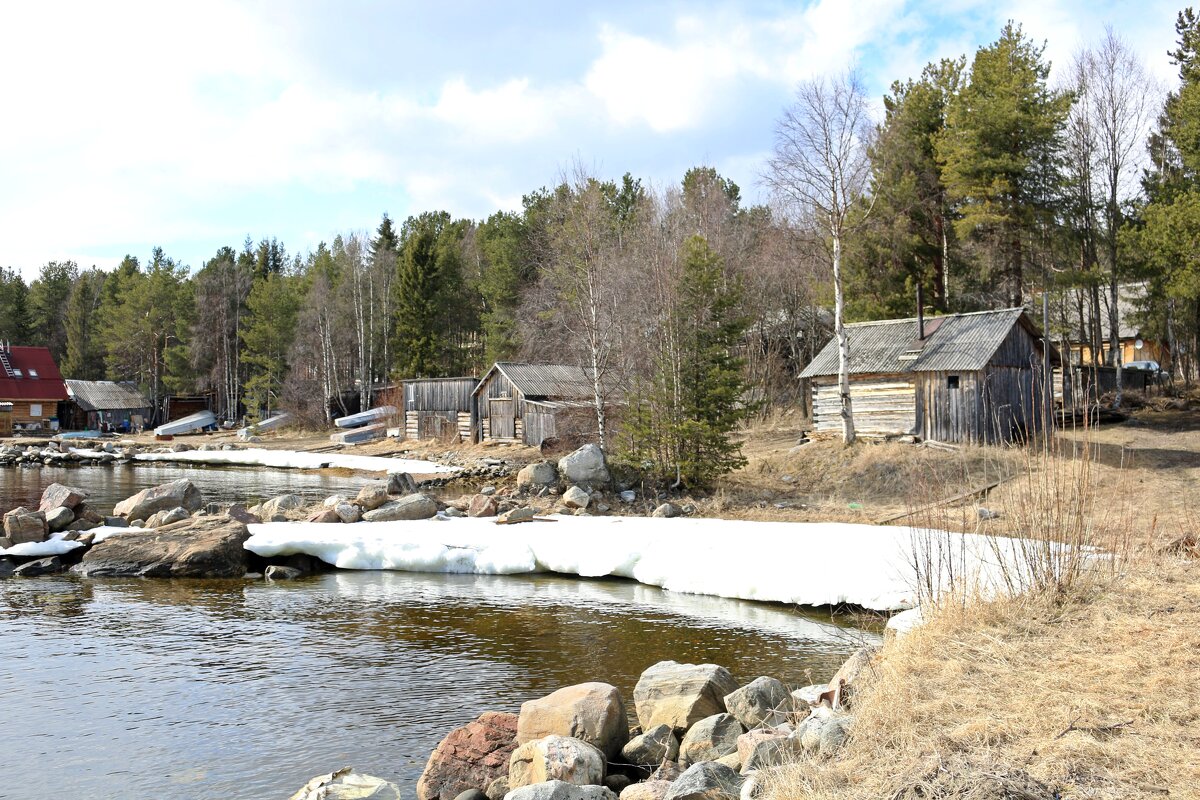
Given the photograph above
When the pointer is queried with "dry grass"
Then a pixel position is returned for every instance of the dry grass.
(1094, 694)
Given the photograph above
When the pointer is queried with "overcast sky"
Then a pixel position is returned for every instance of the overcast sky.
(130, 125)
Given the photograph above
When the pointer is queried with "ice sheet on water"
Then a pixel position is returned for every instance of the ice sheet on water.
(292, 459)
(802, 563)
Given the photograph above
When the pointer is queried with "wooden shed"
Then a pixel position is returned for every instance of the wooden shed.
(105, 405)
(438, 408)
(975, 377)
(30, 380)
(530, 403)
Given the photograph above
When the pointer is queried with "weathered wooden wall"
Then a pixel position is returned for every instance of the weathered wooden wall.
(883, 405)
(949, 412)
(432, 407)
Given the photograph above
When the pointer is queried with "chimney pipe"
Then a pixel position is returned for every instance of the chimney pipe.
(920, 312)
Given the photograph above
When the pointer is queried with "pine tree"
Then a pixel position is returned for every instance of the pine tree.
(48, 298)
(85, 350)
(14, 308)
(273, 305)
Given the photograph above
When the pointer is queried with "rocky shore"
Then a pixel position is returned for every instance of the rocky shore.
(696, 735)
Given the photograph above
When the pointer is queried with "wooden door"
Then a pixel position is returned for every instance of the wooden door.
(502, 418)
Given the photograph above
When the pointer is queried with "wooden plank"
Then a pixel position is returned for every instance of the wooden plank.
(977, 491)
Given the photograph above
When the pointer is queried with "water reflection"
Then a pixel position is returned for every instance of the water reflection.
(235, 688)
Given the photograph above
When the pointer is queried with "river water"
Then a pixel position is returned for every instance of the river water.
(243, 689)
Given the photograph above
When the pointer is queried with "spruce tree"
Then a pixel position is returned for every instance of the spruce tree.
(14, 307)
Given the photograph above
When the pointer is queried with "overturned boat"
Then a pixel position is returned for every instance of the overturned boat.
(193, 422)
(366, 417)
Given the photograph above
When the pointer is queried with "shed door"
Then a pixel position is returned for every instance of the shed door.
(501, 419)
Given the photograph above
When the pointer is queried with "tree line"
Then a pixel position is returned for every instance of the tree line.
(983, 184)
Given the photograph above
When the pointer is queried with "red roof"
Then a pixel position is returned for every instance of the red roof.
(39, 376)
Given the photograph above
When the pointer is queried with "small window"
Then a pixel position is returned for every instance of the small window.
(18, 373)
(952, 382)
(35, 409)
(33, 373)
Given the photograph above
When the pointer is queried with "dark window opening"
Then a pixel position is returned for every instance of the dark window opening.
(952, 382)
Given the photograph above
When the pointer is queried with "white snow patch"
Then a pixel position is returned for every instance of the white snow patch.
(292, 459)
(50, 547)
(801, 563)
(108, 531)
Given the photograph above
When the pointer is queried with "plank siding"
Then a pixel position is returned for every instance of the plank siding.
(432, 406)
(883, 405)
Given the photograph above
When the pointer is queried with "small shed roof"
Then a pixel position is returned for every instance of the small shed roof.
(958, 342)
(106, 395)
(555, 381)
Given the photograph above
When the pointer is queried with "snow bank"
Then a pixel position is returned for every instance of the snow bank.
(801, 563)
(292, 459)
(56, 546)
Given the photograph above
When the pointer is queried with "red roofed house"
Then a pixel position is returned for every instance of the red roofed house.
(30, 380)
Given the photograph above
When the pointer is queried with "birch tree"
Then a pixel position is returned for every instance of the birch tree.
(819, 169)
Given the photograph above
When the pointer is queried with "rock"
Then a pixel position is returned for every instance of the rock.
(348, 512)
(471, 794)
(824, 731)
(497, 788)
(161, 518)
(39, 566)
(22, 525)
(401, 484)
(763, 701)
(681, 695)
(160, 498)
(452, 512)
(372, 495)
(278, 572)
(7, 567)
(411, 507)
(707, 780)
(666, 511)
(488, 491)
(850, 676)
(628, 496)
(473, 755)
(555, 758)
(58, 496)
(239, 513)
(282, 504)
(58, 519)
(668, 771)
(181, 447)
(762, 748)
(345, 784)
(586, 466)
(646, 790)
(806, 697)
(709, 739)
(576, 498)
(89, 514)
(616, 782)
(325, 516)
(523, 514)
(560, 790)
(833, 735)
(203, 547)
(591, 712)
(732, 760)
(902, 624)
(116, 522)
(651, 748)
(536, 476)
(482, 505)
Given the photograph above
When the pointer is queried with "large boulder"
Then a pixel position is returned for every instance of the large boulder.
(39, 566)
(160, 498)
(470, 757)
(646, 790)
(576, 498)
(555, 758)
(348, 513)
(482, 505)
(58, 518)
(372, 495)
(414, 506)
(537, 476)
(58, 496)
(710, 738)
(201, 547)
(560, 790)
(824, 731)
(592, 712)
(681, 695)
(281, 505)
(401, 483)
(346, 784)
(850, 677)
(652, 748)
(22, 525)
(160, 518)
(707, 780)
(763, 701)
(763, 748)
(585, 467)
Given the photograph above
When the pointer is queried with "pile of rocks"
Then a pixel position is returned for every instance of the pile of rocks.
(55, 454)
(700, 736)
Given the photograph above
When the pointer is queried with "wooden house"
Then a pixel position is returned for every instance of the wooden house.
(30, 380)
(976, 377)
(6, 419)
(105, 405)
(530, 403)
(438, 408)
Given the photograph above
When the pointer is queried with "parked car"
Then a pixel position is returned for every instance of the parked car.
(1157, 373)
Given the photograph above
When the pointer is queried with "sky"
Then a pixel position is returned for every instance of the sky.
(190, 126)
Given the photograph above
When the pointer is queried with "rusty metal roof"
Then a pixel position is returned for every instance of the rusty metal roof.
(959, 342)
(553, 381)
(106, 395)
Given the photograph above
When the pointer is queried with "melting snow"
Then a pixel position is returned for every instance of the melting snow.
(801, 563)
(291, 459)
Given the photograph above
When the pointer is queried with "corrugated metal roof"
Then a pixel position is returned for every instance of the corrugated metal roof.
(106, 395)
(555, 381)
(961, 342)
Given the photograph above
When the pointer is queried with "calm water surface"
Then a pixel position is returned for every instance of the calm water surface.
(242, 689)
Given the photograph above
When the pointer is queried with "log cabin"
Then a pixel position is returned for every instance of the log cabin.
(964, 378)
(30, 380)
(438, 408)
(530, 403)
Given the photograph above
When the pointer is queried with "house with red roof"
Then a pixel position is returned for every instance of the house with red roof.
(30, 380)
